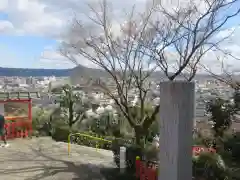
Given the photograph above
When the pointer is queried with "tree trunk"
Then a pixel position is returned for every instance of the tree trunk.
(70, 111)
(138, 138)
(139, 135)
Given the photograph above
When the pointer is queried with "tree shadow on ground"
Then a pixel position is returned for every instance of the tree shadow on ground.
(41, 169)
(114, 174)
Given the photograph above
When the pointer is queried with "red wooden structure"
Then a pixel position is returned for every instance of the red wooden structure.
(146, 170)
(149, 170)
(18, 126)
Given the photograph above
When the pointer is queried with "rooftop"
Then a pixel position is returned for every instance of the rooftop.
(18, 95)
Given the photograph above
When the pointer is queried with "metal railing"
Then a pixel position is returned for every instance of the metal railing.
(88, 136)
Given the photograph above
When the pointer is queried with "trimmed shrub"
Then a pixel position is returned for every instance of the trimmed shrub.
(151, 153)
(61, 133)
(91, 142)
(209, 166)
(41, 122)
(232, 146)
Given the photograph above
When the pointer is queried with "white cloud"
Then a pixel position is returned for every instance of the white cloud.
(53, 57)
(50, 53)
(230, 59)
(31, 17)
(5, 27)
(49, 64)
(49, 18)
(3, 5)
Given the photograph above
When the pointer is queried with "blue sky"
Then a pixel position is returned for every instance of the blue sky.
(23, 51)
(30, 30)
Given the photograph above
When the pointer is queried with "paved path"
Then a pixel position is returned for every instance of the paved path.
(45, 159)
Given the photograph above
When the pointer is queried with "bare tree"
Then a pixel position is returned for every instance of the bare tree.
(174, 40)
(227, 74)
(122, 55)
(189, 33)
(226, 77)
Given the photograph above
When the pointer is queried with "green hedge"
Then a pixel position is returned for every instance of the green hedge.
(91, 142)
(232, 145)
(60, 133)
(210, 166)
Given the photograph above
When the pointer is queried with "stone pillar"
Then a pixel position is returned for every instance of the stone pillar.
(2, 110)
(122, 159)
(177, 104)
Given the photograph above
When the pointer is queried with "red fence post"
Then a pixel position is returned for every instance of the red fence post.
(18, 126)
(151, 173)
(29, 118)
(13, 130)
(142, 173)
(27, 128)
(138, 163)
(7, 127)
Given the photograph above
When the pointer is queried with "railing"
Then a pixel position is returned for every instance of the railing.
(88, 136)
(18, 127)
(104, 142)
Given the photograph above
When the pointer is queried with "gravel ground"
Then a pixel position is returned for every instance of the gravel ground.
(45, 159)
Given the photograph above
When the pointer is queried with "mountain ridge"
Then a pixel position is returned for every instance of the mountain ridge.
(76, 72)
(27, 72)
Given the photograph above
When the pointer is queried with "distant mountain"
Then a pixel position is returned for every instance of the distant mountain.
(82, 71)
(75, 73)
(22, 72)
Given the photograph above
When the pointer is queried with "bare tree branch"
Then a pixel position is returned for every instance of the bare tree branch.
(189, 33)
(119, 52)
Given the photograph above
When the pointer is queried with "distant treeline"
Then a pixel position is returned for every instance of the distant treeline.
(22, 72)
